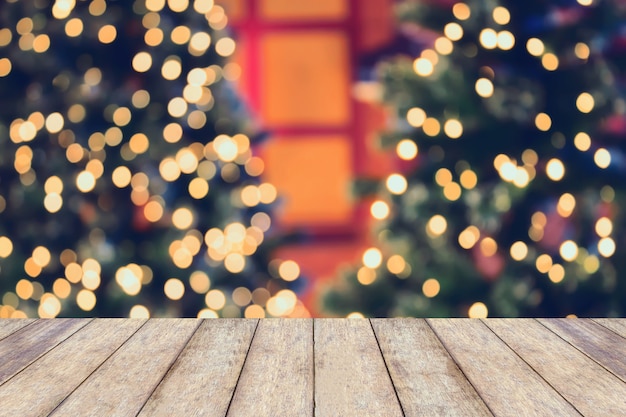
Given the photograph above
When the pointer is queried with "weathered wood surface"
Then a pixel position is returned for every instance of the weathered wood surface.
(321, 367)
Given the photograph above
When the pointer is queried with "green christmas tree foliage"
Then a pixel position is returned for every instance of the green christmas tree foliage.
(511, 121)
(127, 180)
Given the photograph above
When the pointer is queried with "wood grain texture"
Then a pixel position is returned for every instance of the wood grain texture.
(350, 375)
(122, 384)
(504, 381)
(10, 326)
(616, 325)
(426, 378)
(599, 343)
(277, 377)
(589, 387)
(202, 380)
(23, 347)
(40, 387)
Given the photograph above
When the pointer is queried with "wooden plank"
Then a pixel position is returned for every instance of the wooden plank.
(426, 378)
(504, 381)
(601, 344)
(616, 325)
(122, 384)
(277, 378)
(10, 326)
(350, 375)
(40, 387)
(22, 348)
(589, 387)
(202, 380)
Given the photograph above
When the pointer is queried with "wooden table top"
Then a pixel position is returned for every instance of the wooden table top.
(306, 367)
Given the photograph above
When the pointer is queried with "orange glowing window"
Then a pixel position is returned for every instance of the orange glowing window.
(312, 175)
(305, 78)
(304, 9)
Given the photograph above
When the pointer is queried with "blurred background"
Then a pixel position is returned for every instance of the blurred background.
(280, 158)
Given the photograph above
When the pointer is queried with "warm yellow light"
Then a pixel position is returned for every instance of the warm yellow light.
(215, 299)
(86, 300)
(74, 27)
(436, 225)
(569, 250)
(501, 15)
(543, 263)
(519, 251)
(488, 246)
(488, 38)
(199, 41)
(153, 211)
(178, 6)
(566, 205)
(254, 312)
(142, 62)
(406, 149)
(431, 287)
(505, 40)
(582, 141)
(453, 128)
(585, 2)
(469, 237)
(555, 169)
(602, 158)
(606, 247)
(461, 11)
(372, 258)
(139, 311)
(203, 6)
(155, 5)
(199, 282)
(443, 177)
(550, 61)
(174, 289)
(556, 273)
(484, 87)
(604, 227)
(171, 68)
(582, 51)
(591, 264)
(468, 179)
(543, 122)
(225, 47)
(379, 210)
(85, 181)
(182, 218)
(431, 126)
(396, 264)
(366, 276)
(396, 184)
(535, 47)
(478, 310)
(107, 34)
(423, 67)
(177, 107)
(180, 35)
(453, 31)
(444, 46)
(198, 188)
(452, 191)
(585, 102)
(289, 270)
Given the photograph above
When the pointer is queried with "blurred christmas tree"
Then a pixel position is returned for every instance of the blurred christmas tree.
(511, 123)
(127, 181)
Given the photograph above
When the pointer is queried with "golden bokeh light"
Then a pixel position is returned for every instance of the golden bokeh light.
(582, 141)
(602, 158)
(478, 310)
(488, 38)
(484, 87)
(174, 289)
(366, 276)
(431, 287)
(501, 15)
(453, 31)
(469, 237)
(86, 300)
(372, 258)
(436, 225)
(461, 11)
(379, 210)
(555, 169)
(604, 227)
(606, 247)
(416, 116)
(585, 102)
(215, 299)
(289, 270)
(519, 251)
(569, 250)
(396, 184)
(453, 128)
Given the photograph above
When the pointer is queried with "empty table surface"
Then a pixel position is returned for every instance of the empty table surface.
(313, 367)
